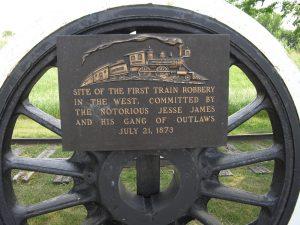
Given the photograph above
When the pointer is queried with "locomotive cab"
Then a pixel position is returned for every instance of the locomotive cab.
(137, 58)
(187, 53)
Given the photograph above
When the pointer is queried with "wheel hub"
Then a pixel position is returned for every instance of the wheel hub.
(158, 209)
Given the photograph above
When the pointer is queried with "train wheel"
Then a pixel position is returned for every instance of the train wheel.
(144, 71)
(187, 77)
(273, 206)
(162, 71)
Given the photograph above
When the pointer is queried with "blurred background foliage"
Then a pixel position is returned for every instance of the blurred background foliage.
(4, 37)
(272, 15)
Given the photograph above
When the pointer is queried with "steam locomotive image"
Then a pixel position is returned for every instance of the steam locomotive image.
(145, 65)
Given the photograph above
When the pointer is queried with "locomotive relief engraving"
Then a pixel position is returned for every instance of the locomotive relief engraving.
(146, 64)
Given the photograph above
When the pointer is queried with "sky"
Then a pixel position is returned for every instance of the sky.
(15, 15)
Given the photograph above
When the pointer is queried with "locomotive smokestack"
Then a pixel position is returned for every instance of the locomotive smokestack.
(150, 54)
(180, 50)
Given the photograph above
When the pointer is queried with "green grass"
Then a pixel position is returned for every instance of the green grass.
(45, 94)
(241, 90)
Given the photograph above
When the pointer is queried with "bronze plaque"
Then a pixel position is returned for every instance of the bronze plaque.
(141, 92)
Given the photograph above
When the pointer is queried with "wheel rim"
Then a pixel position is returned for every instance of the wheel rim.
(154, 19)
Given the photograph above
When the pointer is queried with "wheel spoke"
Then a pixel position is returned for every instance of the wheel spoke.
(203, 216)
(228, 161)
(52, 205)
(217, 190)
(51, 166)
(40, 117)
(247, 112)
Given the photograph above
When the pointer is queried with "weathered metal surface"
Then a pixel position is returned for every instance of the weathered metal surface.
(143, 92)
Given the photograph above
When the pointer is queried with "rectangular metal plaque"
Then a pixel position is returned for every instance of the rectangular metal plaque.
(139, 92)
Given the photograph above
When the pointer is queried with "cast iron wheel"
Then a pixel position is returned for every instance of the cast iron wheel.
(90, 188)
